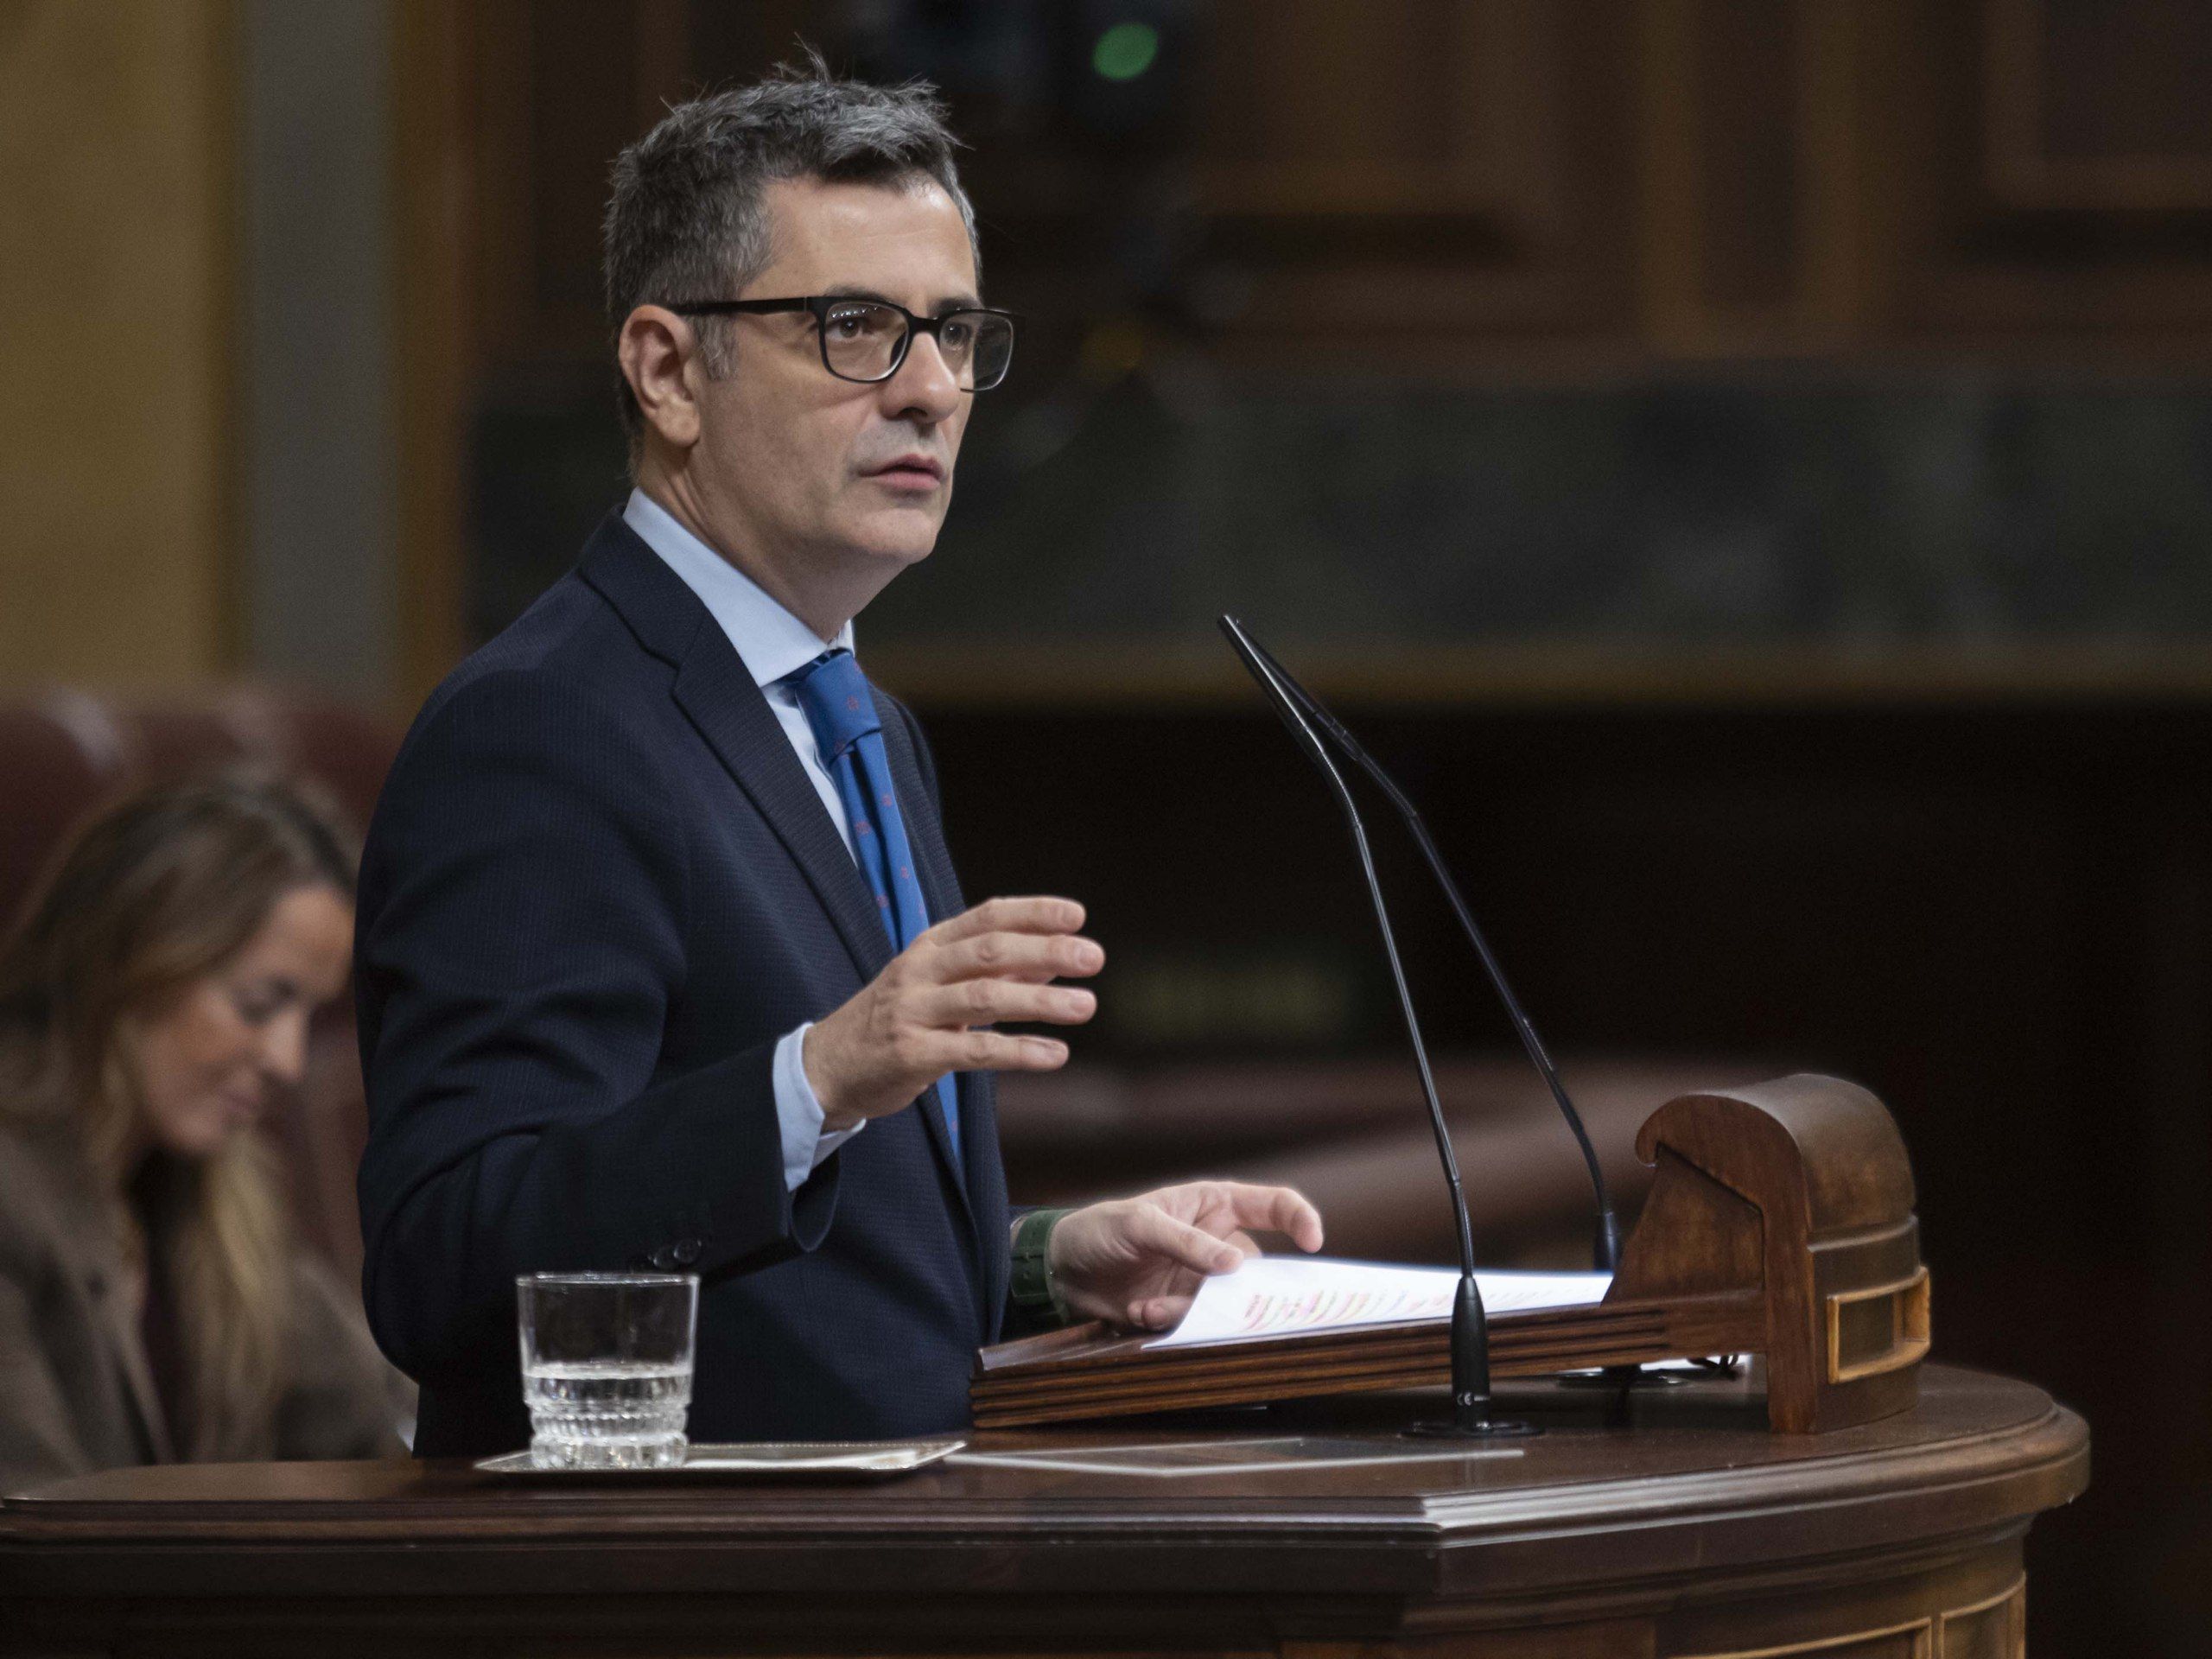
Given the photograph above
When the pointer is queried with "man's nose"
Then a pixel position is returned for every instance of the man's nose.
(925, 387)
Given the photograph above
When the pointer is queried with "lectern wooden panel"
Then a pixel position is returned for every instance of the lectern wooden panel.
(1780, 1223)
(1674, 1525)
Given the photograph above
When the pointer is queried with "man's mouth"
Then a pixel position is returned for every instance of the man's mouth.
(910, 471)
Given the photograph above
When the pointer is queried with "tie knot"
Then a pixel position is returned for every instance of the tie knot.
(835, 695)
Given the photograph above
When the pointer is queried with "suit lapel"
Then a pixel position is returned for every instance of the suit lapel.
(716, 691)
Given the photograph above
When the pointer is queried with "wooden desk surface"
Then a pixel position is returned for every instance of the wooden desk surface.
(1684, 1527)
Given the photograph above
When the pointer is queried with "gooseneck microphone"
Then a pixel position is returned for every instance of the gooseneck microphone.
(1470, 1391)
(1605, 1251)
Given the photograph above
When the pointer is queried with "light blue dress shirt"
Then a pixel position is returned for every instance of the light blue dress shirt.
(771, 643)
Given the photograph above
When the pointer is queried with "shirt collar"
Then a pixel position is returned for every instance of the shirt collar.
(770, 640)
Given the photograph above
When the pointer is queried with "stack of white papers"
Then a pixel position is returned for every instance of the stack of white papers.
(1288, 1295)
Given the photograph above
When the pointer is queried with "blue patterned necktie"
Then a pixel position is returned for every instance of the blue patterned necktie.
(842, 710)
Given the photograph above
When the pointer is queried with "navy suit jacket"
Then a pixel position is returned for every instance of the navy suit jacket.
(598, 888)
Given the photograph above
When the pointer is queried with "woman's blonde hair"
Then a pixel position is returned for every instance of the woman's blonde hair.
(148, 897)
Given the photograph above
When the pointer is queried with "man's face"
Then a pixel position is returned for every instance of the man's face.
(800, 468)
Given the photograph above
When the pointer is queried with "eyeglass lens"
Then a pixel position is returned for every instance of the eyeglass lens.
(861, 341)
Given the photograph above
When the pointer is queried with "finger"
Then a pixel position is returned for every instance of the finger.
(988, 1001)
(1277, 1208)
(1031, 957)
(1041, 914)
(990, 1051)
(1159, 1312)
(1155, 1231)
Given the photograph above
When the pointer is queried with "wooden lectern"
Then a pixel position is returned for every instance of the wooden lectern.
(1779, 1224)
(1666, 1525)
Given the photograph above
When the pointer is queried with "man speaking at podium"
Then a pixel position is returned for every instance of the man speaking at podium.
(662, 961)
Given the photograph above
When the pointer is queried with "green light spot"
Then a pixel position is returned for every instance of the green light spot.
(1125, 51)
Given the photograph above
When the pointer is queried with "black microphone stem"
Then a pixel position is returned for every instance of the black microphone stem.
(1471, 1380)
(1606, 1247)
(1319, 756)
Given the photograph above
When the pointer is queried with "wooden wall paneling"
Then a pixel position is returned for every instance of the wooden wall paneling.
(439, 203)
(1410, 178)
(571, 83)
(663, 73)
(508, 115)
(494, 35)
(1832, 296)
(587, 62)
(1405, 107)
(315, 426)
(1693, 142)
(1749, 211)
(2099, 108)
(559, 87)
(119, 271)
(1745, 88)
(2053, 176)
(214, 70)
(727, 46)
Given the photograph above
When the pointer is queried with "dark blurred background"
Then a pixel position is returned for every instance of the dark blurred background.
(1747, 463)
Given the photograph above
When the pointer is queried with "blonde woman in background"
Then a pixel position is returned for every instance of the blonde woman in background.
(155, 1303)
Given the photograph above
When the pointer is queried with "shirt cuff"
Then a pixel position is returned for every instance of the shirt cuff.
(800, 1114)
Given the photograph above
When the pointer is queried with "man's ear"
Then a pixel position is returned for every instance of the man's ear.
(658, 351)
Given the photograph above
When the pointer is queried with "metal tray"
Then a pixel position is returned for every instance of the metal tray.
(757, 1460)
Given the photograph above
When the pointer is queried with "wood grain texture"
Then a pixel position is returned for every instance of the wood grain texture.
(116, 326)
(1680, 1527)
(1780, 1223)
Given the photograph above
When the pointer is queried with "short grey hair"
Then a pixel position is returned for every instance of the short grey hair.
(686, 221)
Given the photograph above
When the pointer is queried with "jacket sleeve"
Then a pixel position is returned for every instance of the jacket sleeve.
(521, 938)
(341, 1398)
(38, 1434)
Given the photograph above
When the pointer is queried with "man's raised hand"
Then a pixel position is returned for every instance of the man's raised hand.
(929, 1011)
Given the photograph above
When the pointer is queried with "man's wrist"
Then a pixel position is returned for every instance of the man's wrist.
(834, 1122)
(1033, 1288)
(808, 1134)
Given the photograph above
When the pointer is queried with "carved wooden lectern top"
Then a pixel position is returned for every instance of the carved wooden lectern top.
(1779, 1224)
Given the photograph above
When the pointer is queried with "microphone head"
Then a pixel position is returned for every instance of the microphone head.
(1271, 687)
(1239, 640)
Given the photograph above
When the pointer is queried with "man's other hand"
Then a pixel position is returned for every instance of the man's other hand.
(1138, 1261)
(929, 1011)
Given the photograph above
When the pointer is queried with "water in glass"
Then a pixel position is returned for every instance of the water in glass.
(608, 1413)
(607, 1367)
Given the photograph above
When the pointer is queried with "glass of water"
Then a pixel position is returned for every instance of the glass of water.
(607, 1367)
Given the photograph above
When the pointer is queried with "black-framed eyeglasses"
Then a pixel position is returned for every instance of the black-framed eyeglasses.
(867, 340)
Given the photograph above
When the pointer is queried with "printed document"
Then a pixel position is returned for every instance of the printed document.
(1288, 1295)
